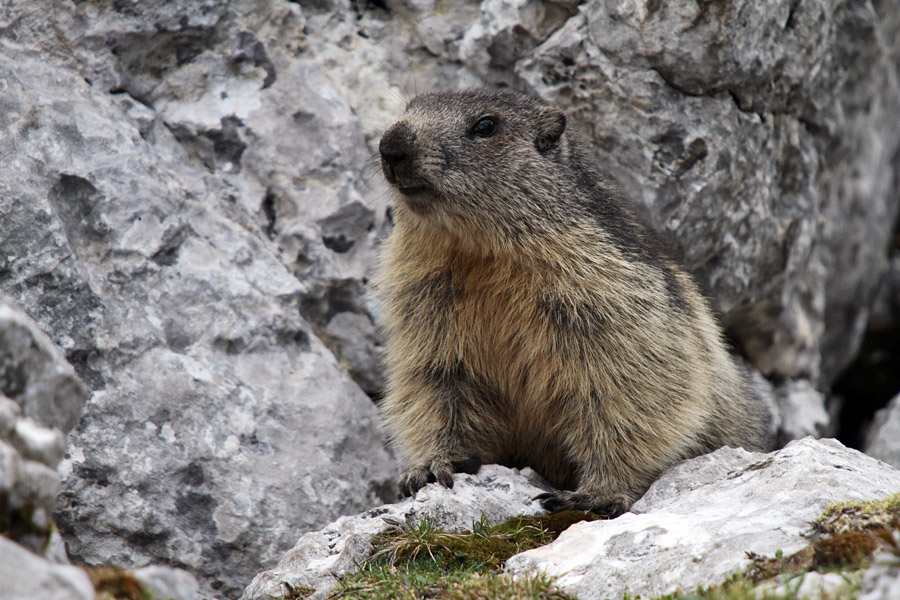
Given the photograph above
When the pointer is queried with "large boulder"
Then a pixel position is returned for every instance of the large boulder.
(218, 425)
(279, 124)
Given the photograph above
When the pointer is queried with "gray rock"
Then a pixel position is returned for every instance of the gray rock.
(27, 495)
(886, 304)
(35, 375)
(881, 581)
(504, 32)
(811, 585)
(497, 493)
(695, 525)
(167, 583)
(45, 388)
(359, 345)
(39, 443)
(219, 427)
(223, 88)
(747, 129)
(802, 410)
(27, 576)
(883, 437)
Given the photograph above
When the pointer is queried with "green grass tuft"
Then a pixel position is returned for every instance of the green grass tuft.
(418, 561)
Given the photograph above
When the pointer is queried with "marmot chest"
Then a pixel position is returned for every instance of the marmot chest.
(494, 321)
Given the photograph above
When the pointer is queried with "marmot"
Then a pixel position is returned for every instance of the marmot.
(534, 320)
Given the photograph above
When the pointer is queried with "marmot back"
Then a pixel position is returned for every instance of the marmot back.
(533, 320)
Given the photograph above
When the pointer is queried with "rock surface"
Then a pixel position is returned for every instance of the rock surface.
(40, 398)
(496, 492)
(167, 583)
(695, 525)
(746, 128)
(692, 528)
(883, 440)
(218, 426)
(882, 580)
(34, 374)
(802, 410)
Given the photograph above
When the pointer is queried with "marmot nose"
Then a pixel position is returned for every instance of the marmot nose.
(396, 145)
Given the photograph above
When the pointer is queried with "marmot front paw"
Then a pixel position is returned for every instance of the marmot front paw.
(439, 470)
(596, 503)
(415, 479)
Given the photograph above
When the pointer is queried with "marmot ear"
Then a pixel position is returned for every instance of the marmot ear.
(551, 125)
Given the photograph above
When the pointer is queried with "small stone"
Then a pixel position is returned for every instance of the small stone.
(883, 437)
(27, 576)
(39, 443)
(166, 582)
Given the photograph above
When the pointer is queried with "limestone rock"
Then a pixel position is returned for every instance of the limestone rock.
(802, 411)
(695, 525)
(34, 374)
(496, 492)
(218, 425)
(167, 583)
(44, 395)
(226, 89)
(27, 576)
(811, 585)
(746, 129)
(882, 580)
(883, 439)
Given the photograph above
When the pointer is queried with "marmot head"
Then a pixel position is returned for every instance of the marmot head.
(480, 161)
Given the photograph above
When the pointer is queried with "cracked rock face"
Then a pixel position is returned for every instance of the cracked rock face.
(747, 130)
(218, 425)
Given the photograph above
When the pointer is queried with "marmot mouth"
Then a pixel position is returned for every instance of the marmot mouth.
(415, 191)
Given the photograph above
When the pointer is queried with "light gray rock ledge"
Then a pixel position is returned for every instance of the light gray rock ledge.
(693, 527)
(496, 492)
(697, 522)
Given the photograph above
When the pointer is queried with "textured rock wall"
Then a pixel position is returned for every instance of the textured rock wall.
(191, 209)
(218, 426)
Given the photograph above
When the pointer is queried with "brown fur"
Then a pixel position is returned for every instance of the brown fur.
(532, 320)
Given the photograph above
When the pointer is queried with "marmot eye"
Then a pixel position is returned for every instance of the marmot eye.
(485, 127)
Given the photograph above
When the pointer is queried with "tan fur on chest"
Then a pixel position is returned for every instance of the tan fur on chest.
(485, 319)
